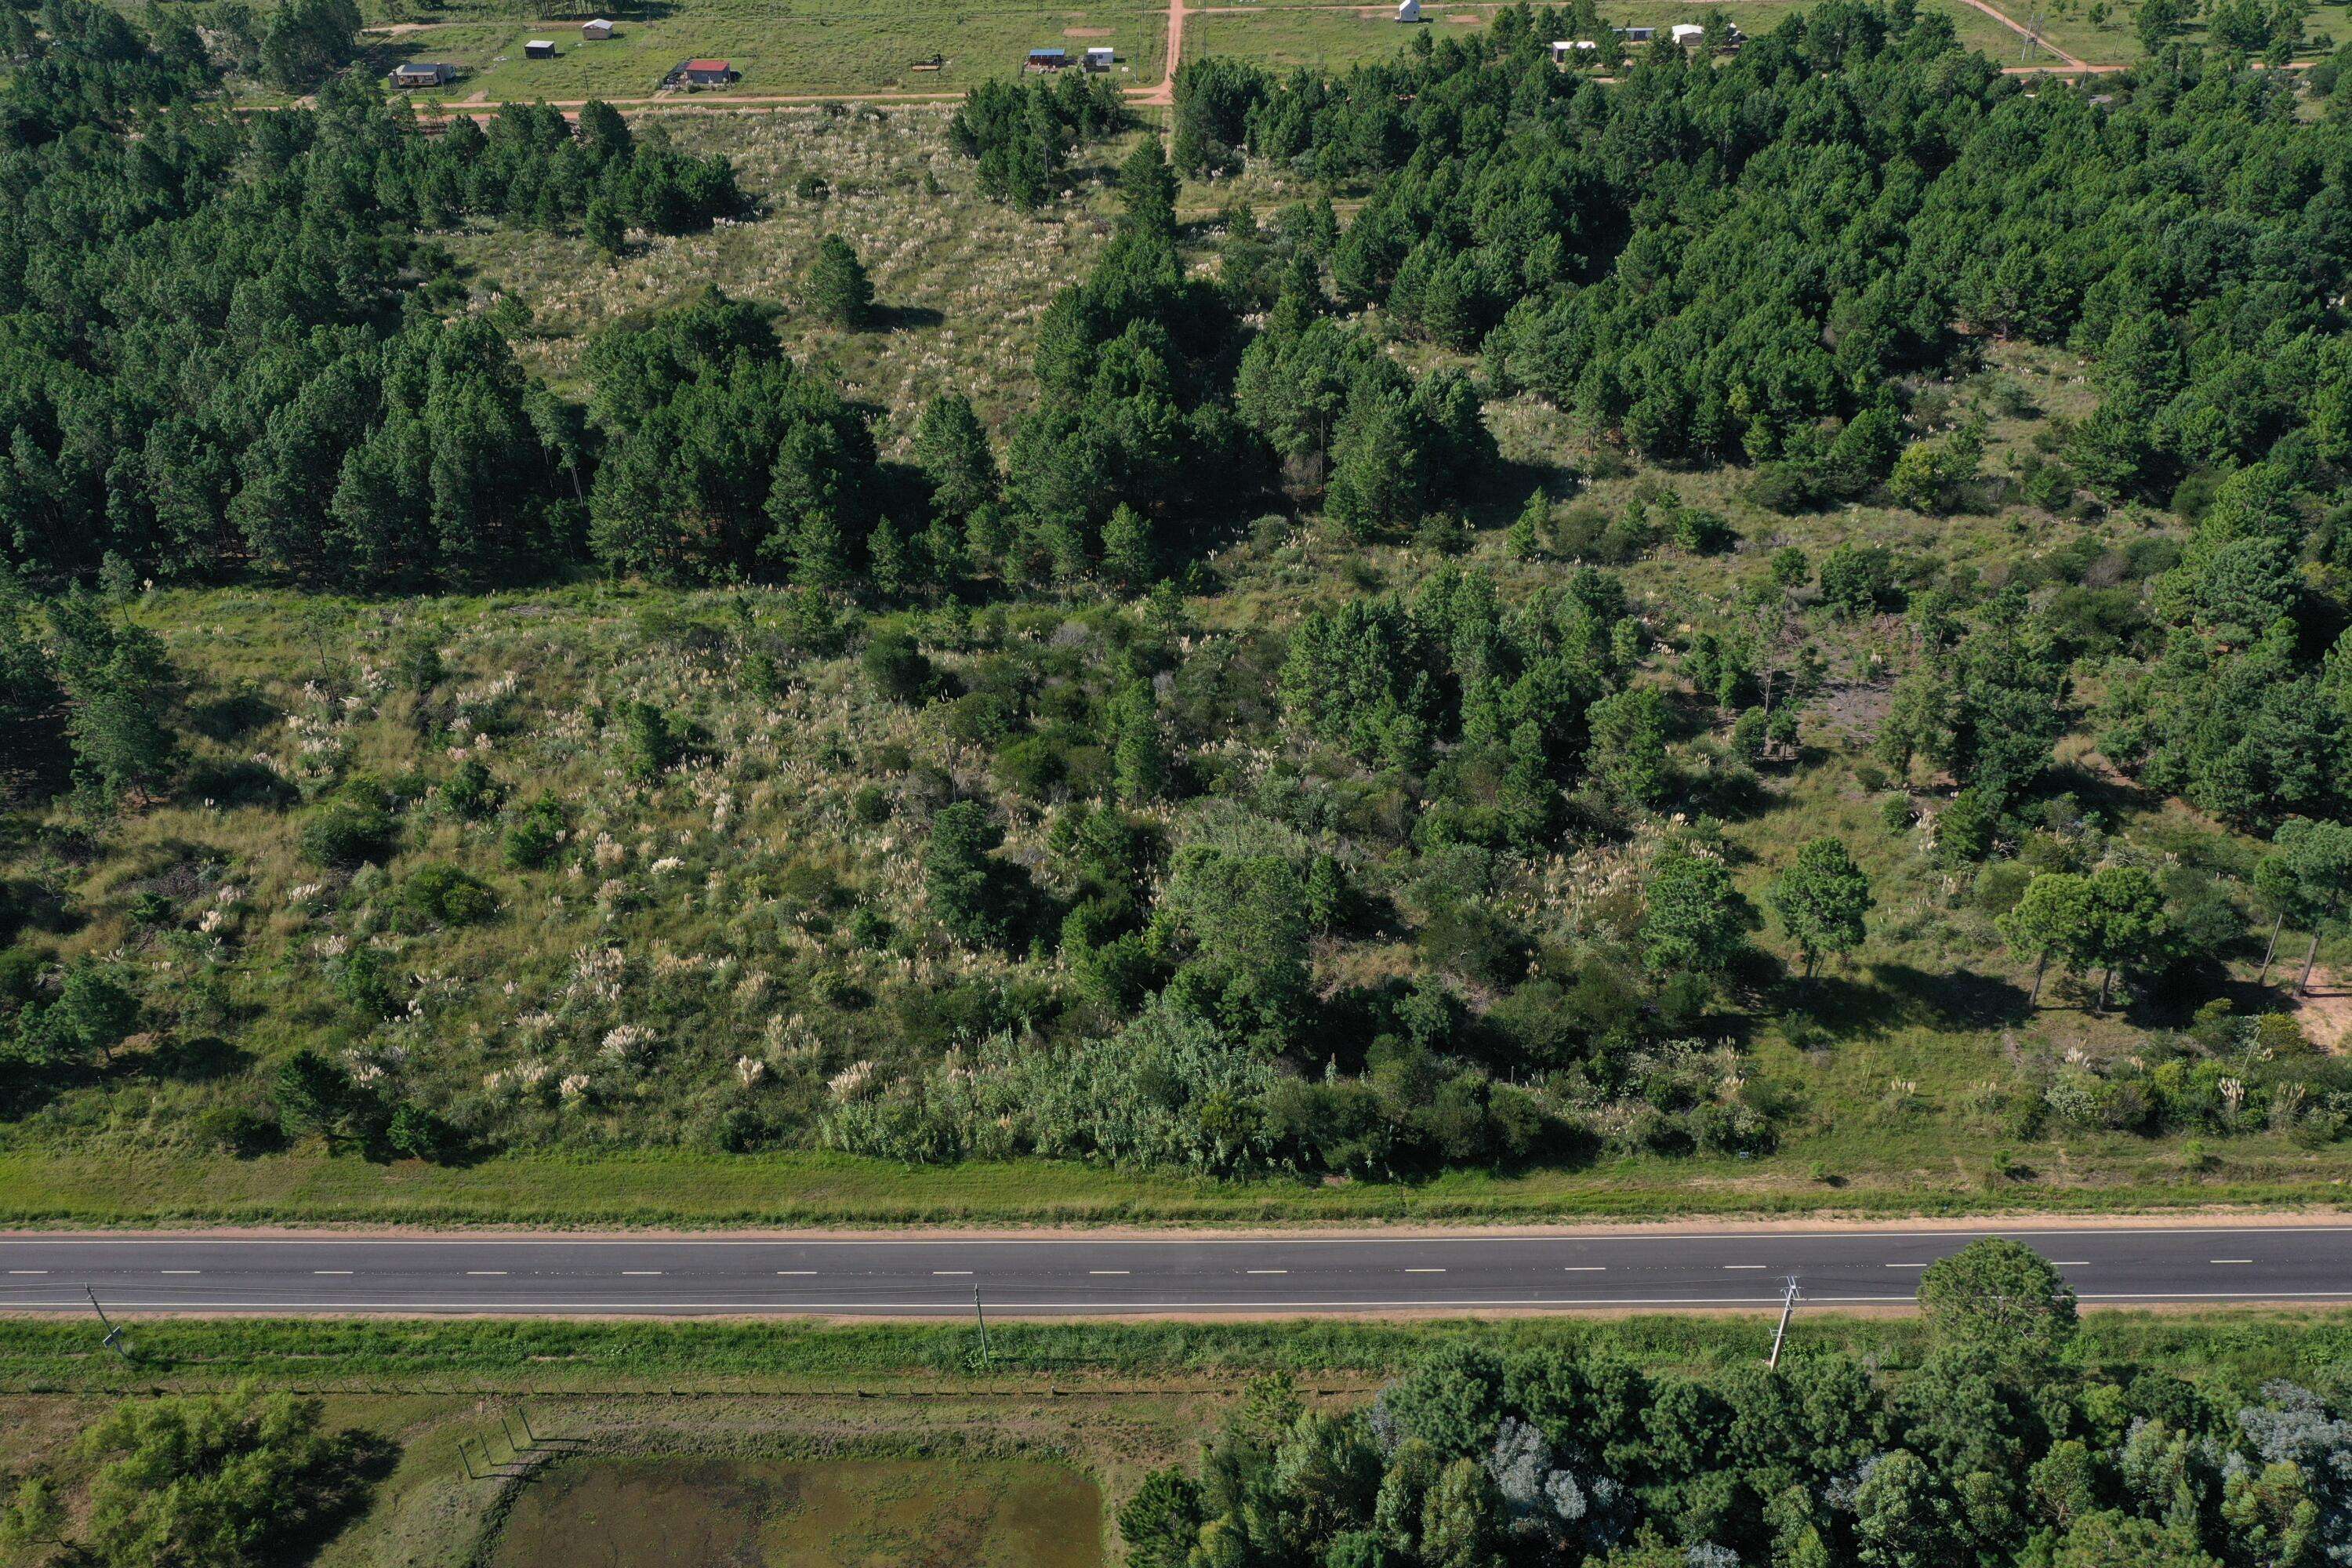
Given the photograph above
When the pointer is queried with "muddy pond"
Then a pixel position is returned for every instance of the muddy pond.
(646, 1513)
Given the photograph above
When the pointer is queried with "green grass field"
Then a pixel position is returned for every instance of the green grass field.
(778, 50)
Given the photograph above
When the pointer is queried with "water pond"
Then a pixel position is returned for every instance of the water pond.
(649, 1512)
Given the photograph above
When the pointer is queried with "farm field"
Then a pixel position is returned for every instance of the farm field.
(787, 52)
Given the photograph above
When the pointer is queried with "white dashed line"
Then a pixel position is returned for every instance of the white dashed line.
(1424, 1271)
(795, 1273)
(29, 1271)
(951, 1273)
(2228, 1261)
(1267, 1271)
(1743, 1266)
(642, 1273)
(330, 1272)
(486, 1273)
(183, 1271)
(1584, 1269)
(1906, 1266)
(1107, 1273)
(2070, 1263)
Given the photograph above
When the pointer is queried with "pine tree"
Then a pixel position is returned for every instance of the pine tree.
(1821, 899)
(1126, 547)
(1525, 538)
(605, 228)
(838, 288)
(118, 685)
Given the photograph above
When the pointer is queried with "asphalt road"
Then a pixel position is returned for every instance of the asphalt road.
(922, 1275)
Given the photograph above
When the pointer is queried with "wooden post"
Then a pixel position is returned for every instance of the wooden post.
(1781, 1334)
(2271, 950)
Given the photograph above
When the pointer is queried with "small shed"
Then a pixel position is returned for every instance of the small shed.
(1408, 10)
(1635, 34)
(1101, 58)
(598, 29)
(422, 73)
(1048, 59)
(539, 49)
(1566, 51)
(708, 73)
(1689, 35)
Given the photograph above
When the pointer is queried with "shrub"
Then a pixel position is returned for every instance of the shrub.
(441, 894)
(897, 666)
(354, 828)
(535, 835)
(471, 792)
(226, 1479)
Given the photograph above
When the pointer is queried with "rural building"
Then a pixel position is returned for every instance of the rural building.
(1689, 35)
(696, 74)
(1635, 34)
(599, 28)
(539, 49)
(1048, 59)
(1565, 50)
(1408, 10)
(419, 73)
(1100, 59)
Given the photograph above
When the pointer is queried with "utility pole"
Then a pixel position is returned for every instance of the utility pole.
(113, 1340)
(986, 1360)
(1781, 1334)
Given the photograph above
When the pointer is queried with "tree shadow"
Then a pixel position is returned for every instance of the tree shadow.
(1844, 1007)
(242, 783)
(225, 718)
(903, 318)
(200, 1058)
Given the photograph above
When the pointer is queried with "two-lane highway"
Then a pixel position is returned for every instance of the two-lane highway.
(932, 1274)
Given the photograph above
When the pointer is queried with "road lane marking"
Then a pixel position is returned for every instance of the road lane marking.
(2228, 1261)
(183, 1271)
(795, 1273)
(1107, 1273)
(1906, 1266)
(29, 1271)
(1268, 1271)
(654, 1273)
(1424, 1271)
(1584, 1269)
(330, 1272)
(947, 1273)
(2070, 1263)
(934, 1308)
(486, 1273)
(1743, 1266)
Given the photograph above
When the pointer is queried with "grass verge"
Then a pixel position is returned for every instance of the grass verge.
(2236, 1349)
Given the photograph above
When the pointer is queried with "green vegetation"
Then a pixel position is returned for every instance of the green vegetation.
(1993, 1450)
(234, 1480)
(1671, 738)
(1651, 1416)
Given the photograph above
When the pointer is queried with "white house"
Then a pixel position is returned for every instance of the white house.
(1565, 50)
(1688, 34)
(1408, 10)
(1101, 58)
(599, 28)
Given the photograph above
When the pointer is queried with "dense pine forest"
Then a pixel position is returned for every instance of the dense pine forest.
(1251, 752)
